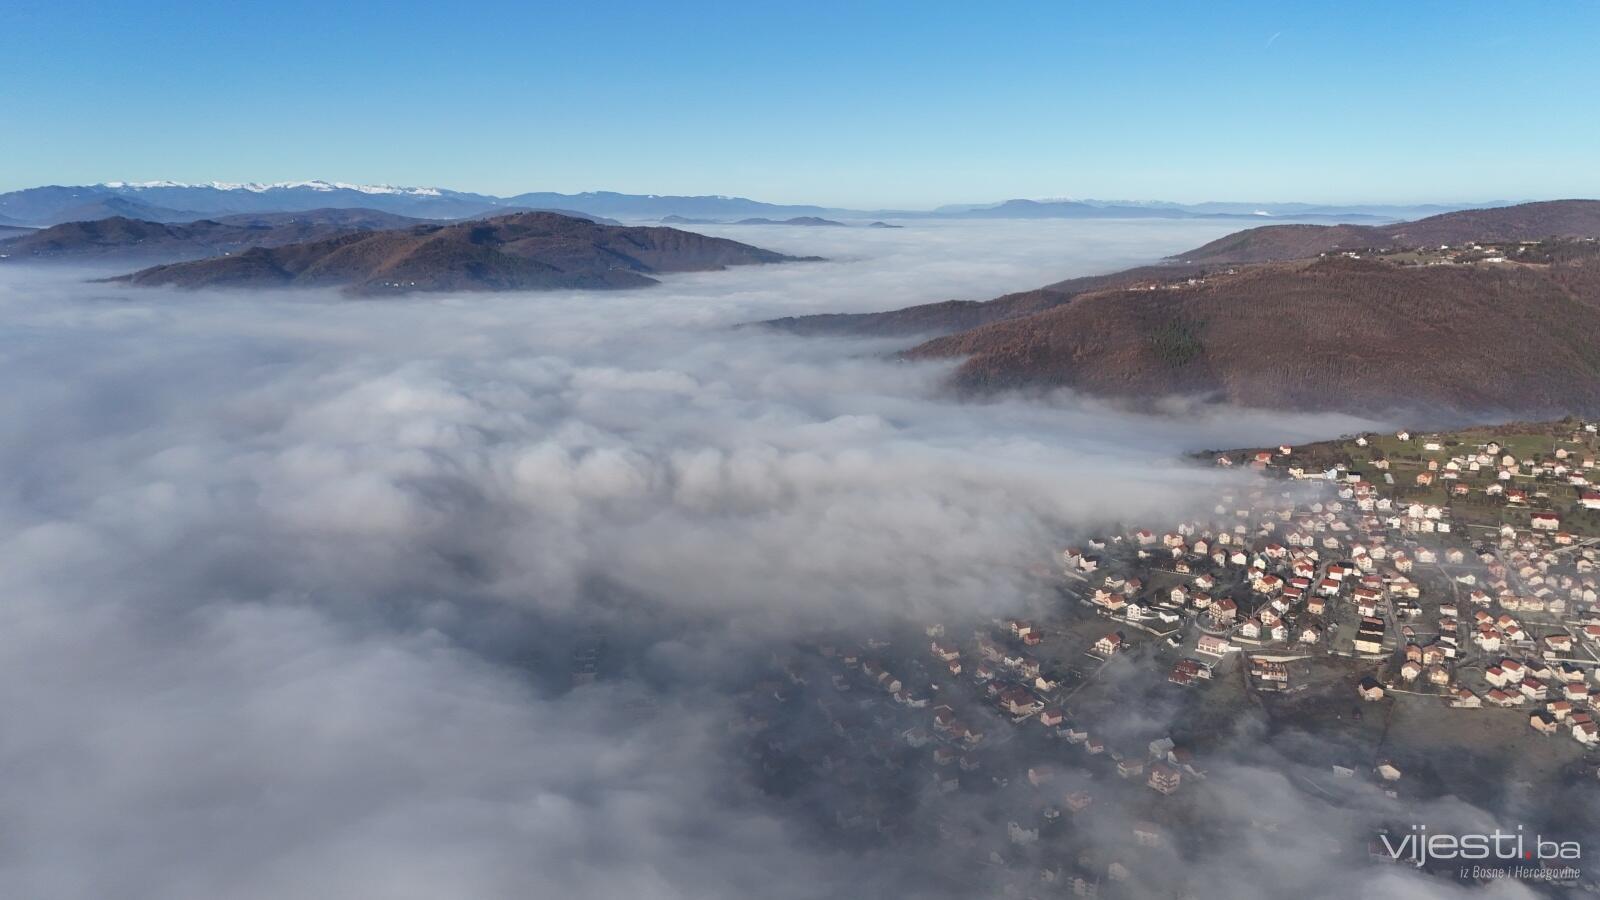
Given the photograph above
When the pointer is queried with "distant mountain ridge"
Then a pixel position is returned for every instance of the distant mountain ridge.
(797, 220)
(171, 201)
(124, 240)
(521, 251)
(1070, 209)
(805, 221)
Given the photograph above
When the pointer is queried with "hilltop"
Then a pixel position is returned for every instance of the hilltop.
(522, 251)
(124, 239)
(1524, 222)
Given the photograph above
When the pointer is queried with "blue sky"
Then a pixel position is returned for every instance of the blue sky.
(850, 104)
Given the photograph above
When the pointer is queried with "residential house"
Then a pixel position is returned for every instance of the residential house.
(1164, 778)
(1109, 644)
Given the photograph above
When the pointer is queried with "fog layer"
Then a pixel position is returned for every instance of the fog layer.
(289, 583)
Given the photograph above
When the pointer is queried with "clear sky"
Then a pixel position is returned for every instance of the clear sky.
(858, 104)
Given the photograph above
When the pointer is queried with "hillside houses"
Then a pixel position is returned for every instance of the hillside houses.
(1323, 594)
(1336, 578)
(1397, 584)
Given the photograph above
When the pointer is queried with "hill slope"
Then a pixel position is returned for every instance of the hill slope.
(124, 239)
(951, 316)
(1523, 222)
(127, 207)
(923, 319)
(1528, 221)
(1329, 334)
(523, 251)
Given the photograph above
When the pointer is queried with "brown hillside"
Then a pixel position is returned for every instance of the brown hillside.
(1330, 334)
(1523, 222)
(925, 319)
(951, 316)
(524, 251)
(1278, 242)
(120, 238)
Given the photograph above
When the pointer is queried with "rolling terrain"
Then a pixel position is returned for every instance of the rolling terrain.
(951, 316)
(170, 201)
(1566, 218)
(521, 251)
(1504, 322)
(121, 239)
(1336, 334)
(124, 240)
(1523, 222)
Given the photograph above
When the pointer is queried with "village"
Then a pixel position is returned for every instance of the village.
(1540, 252)
(1472, 253)
(1402, 595)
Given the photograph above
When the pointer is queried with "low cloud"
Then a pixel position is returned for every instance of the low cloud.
(292, 582)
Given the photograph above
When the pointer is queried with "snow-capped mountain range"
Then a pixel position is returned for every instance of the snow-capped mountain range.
(257, 187)
(176, 201)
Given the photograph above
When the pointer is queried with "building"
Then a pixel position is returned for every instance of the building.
(1164, 778)
(1269, 671)
(1370, 689)
(1018, 701)
(1186, 671)
(1369, 639)
(1223, 611)
(1109, 644)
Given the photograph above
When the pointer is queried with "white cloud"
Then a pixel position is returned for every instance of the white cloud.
(286, 578)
